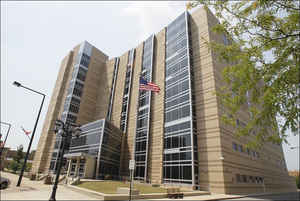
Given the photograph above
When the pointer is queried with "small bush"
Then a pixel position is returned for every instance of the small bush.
(28, 167)
(107, 177)
(298, 182)
(14, 166)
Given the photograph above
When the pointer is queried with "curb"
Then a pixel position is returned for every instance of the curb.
(249, 195)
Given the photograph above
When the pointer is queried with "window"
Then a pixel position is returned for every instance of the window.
(185, 140)
(71, 118)
(244, 178)
(240, 147)
(52, 164)
(225, 40)
(74, 109)
(77, 92)
(234, 146)
(187, 172)
(85, 60)
(238, 178)
(248, 151)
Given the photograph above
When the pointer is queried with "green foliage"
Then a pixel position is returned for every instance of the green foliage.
(14, 166)
(18, 161)
(28, 167)
(298, 182)
(20, 155)
(262, 71)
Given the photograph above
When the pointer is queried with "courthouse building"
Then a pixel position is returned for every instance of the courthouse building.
(175, 136)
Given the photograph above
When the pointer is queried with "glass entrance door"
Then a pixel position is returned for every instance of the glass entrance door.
(81, 168)
(73, 167)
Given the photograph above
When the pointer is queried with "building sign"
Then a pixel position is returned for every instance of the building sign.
(171, 151)
(131, 164)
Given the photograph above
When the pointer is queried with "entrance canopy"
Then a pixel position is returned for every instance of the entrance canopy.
(81, 164)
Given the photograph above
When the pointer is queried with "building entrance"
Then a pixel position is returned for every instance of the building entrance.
(81, 165)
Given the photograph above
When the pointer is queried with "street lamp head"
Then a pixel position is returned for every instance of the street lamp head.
(77, 132)
(58, 126)
(18, 84)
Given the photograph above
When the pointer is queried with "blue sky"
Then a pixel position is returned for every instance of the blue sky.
(35, 36)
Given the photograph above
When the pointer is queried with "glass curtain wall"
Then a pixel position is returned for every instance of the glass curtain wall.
(112, 91)
(143, 111)
(180, 140)
(108, 160)
(72, 102)
(127, 89)
(103, 141)
(89, 140)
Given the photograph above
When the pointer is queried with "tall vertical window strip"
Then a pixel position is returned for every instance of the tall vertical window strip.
(127, 89)
(143, 114)
(72, 102)
(112, 91)
(179, 143)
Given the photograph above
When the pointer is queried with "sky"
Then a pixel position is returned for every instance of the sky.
(35, 36)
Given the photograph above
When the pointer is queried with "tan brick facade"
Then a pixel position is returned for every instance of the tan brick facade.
(218, 163)
(155, 171)
(45, 146)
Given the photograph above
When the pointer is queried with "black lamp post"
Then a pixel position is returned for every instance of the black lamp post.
(66, 131)
(31, 139)
(9, 126)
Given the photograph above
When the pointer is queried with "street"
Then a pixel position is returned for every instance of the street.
(274, 197)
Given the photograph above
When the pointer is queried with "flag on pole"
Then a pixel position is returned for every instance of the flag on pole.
(148, 86)
(26, 132)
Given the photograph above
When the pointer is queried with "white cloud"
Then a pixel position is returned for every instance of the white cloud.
(152, 16)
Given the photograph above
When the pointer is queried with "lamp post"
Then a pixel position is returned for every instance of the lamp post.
(9, 126)
(31, 139)
(65, 130)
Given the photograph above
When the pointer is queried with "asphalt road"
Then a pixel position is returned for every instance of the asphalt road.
(274, 197)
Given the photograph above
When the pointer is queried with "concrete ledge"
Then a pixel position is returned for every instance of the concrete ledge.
(141, 196)
(196, 193)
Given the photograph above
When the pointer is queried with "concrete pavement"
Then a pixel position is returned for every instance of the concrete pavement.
(36, 190)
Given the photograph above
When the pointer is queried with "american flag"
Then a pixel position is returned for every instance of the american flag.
(25, 131)
(148, 86)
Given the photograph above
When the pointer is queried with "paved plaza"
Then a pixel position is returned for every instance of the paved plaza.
(37, 190)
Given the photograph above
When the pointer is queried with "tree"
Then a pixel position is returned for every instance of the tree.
(263, 65)
(298, 181)
(20, 155)
(14, 166)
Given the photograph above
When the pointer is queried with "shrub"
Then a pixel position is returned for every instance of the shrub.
(14, 166)
(298, 182)
(28, 167)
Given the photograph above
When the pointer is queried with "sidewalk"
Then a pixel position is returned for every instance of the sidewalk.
(36, 190)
